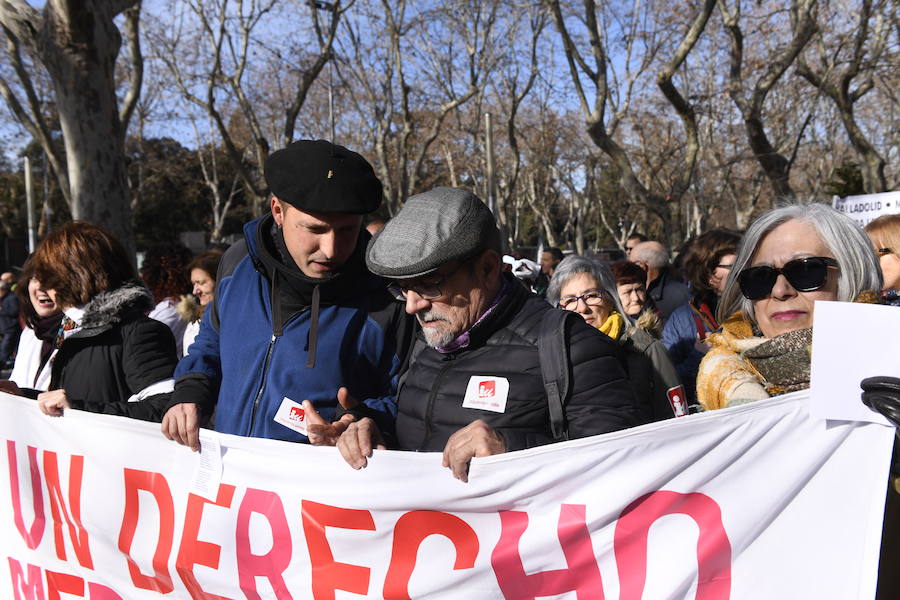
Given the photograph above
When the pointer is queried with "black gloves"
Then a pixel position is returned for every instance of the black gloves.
(882, 394)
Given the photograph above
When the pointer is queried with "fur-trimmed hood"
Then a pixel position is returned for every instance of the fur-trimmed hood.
(108, 309)
(649, 321)
(189, 309)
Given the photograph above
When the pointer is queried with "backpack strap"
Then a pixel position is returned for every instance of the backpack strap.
(553, 352)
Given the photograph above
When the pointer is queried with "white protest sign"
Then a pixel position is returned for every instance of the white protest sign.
(851, 341)
(755, 501)
(868, 207)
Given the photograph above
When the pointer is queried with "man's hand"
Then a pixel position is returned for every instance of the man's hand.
(181, 423)
(357, 442)
(475, 439)
(322, 433)
(10, 387)
(53, 403)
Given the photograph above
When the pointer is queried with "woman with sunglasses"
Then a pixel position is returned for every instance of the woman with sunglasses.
(789, 258)
(885, 235)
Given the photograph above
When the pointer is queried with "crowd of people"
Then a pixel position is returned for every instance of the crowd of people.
(420, 333)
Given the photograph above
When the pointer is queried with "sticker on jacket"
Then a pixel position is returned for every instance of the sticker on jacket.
(291, 415)
(485, 392)
(677, 400)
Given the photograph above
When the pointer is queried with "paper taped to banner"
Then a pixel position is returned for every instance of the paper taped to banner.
(756, 501)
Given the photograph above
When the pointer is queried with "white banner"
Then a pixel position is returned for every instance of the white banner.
(756, 501)
(868, 207)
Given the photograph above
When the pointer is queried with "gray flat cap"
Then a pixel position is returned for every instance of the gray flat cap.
(432, 228)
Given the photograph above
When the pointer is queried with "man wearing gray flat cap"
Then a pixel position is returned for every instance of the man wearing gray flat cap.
(299, 330)
(474, 386)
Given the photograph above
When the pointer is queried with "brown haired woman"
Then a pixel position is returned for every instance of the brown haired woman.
(707, 263)
(37, 348)
(163, 272)
(202, 271)
(112, 358)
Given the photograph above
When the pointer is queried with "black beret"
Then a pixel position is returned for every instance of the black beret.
(318, 176)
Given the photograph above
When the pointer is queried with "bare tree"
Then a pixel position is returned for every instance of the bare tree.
(78, 43)
(221, 199)
(601, 126)
(751, 102)
(845, 71)
(215, 53)
(403, 121)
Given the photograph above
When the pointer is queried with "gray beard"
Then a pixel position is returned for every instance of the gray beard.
(435, 338)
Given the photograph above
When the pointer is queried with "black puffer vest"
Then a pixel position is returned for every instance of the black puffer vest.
(504, 345)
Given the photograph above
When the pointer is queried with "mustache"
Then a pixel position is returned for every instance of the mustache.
(430, 316)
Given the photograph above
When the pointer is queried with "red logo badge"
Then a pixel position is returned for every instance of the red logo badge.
(487, 389)
(297, 414)
(677, 400)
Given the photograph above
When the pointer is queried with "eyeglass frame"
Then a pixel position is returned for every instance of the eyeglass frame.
(600, 294)
(827, 260)
(403, 288)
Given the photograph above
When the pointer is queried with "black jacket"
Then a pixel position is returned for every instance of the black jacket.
(9, 314)
(430, 403)
(118, 353)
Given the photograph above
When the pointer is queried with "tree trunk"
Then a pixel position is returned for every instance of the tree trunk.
(78, 43)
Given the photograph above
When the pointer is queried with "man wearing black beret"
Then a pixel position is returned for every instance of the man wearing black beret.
(299, 329)
(477, 384)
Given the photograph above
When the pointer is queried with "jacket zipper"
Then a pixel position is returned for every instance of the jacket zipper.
(262, 383)
(429, 426)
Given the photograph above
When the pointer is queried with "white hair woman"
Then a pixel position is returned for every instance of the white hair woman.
(587, 287)
(789, 258)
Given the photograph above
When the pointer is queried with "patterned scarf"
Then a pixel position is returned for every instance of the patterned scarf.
(783, 361)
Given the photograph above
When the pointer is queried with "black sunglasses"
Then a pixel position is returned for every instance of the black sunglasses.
(804, 275)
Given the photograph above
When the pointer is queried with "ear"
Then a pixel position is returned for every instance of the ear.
(490, 264)
(277, 211)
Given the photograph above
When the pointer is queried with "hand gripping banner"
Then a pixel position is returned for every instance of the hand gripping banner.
(756, 501)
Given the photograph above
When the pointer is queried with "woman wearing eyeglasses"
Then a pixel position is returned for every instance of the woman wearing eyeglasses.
(789, 258)
(587, 287)
(885, 235)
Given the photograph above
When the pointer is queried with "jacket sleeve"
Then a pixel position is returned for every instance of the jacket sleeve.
(725, 379)
(148, 361)
(602, 399)
(199, 373)
(680, 339)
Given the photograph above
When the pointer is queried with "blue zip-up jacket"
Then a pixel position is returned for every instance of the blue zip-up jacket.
(247, 358)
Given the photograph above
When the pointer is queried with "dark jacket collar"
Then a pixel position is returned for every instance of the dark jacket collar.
(107, 309)
(506, 309)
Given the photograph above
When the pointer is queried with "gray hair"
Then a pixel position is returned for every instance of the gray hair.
(573, 265)
(651, 252)
(844, 238)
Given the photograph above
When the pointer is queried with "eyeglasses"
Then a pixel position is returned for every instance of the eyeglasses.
(725, 266)
(428, 290)
(590, 298)
(804, 275)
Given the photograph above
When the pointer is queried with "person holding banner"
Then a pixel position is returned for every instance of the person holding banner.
(112, 358)
(474, 385)
(789, 258)
(34, 357)
(297, 325)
